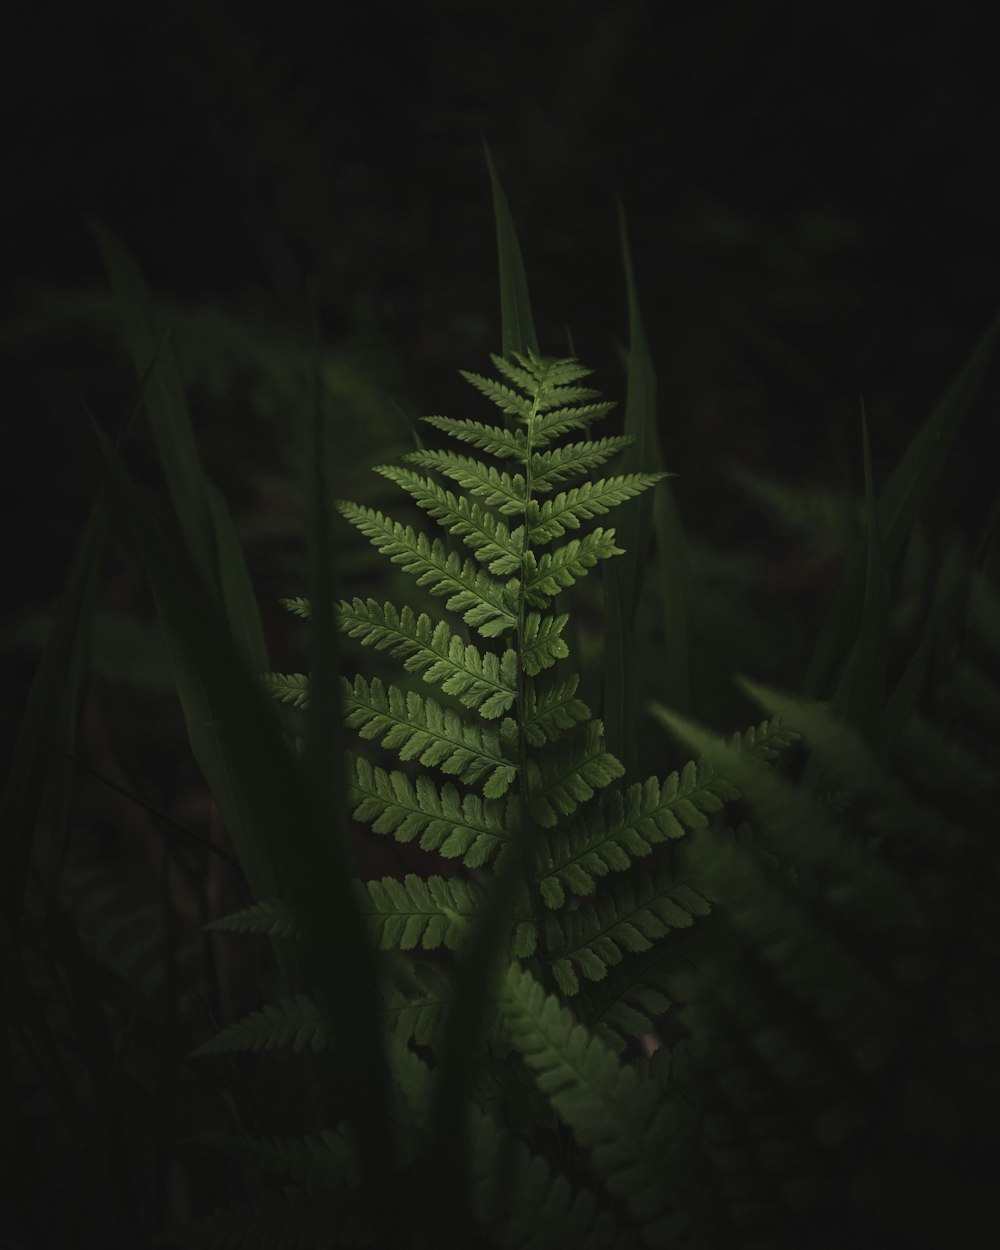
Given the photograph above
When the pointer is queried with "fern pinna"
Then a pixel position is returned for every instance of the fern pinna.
(517, 780)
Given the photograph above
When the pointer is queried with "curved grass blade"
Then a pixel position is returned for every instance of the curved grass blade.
(166, 405)
(903, 494)
(238, 597)
(860, 693)
(204, 517)
(623, 580)
(899, 505)
(276, 821)
(517, 325)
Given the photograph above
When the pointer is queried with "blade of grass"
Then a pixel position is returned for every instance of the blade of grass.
(238, 597)
(166, 405)
(201, 509)
(919, 466)
(860, 693)
(623, 578)
(517, 325)
(947, 601)
(281, 837)
(899, 505)
(50, 716)
(317, 879)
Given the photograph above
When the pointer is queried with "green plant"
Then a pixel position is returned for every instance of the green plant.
(805, 943)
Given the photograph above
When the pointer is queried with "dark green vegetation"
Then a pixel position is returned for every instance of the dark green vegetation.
(798, 916)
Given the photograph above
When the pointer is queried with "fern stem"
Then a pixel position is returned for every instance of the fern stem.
(539, 962)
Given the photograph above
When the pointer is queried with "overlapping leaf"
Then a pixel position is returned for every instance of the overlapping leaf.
(484, 681)
(445, 821)
(566, 510)
(569, 775)
(482, 600)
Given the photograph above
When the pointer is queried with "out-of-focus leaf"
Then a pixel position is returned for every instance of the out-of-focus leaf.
(517, 324)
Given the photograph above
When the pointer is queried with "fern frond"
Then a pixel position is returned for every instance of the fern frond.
(290, 688)
(494, 545)
(524, 1206)
(418, 1017)
(541, 644)
(506, 400)
(429, 912)
(419, 728)
(483, 602)
(549, 468)
(553, 424)
(550, 712)
(484, 681)
(624, 1122)
(269, 918)
(569, 775)
(497, 490)
(628, 824)
(629, 916)
(468, 827)
(552, 571)
(329, 1158)
(547, 372)
(494, 439)
(547, 383)
(566, 510)
(628, 1001)
(543, 374)
(297, 1023)
(298, 605)
(765, 741)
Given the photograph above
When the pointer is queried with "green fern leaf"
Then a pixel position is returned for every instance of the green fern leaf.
(546, 378)
(486, 682)
(549, 468)
(294, 1023)
(547, 574)
(626, 825)
(494, 545)
(494, 439)
(429, 912)
(329, 1158)
(291, 688)
(566, 510)
(567, 777)
(419, 728)
(558, 422)
(483, 602)
(550, 712)
(506, 400)
(297, 605)
(623, 1121)
(268, 918)
(629, 999)
(525, 1207)
(541, 644)
(497, 490)
(628, 918)
(468, 827)
(419, 1017)
(629, 824)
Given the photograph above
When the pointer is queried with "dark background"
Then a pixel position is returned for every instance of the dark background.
(812, 191)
